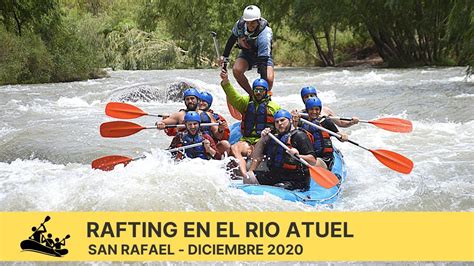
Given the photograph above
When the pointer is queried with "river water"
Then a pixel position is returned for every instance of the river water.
(49, 134)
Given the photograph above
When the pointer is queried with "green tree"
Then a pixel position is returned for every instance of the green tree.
(460, 32)
(49, 46)
(18, 16)
(412, 32)
(23, 59)
(190, 22)
(320, 20)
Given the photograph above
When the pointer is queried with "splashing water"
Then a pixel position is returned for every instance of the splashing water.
(49, 135)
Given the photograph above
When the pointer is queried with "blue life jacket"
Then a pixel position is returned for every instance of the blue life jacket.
(240, 31)
(216, 116)
(205, 118)
(196, 152)
(277, 156)
(322, 144)
(256, 120)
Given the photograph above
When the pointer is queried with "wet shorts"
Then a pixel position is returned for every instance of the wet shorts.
(329, 160)
(300, 182)
(251, 58)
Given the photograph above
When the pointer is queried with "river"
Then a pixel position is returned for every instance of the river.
(49, 134)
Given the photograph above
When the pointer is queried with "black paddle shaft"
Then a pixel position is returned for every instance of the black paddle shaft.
(45, 220)
(216, 46)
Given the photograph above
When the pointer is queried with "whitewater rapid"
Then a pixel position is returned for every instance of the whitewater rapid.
(49, 135)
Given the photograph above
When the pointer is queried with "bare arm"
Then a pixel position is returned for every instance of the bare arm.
(210, 147)
(173, 119)
(237, 100)
(309, 158)
(223, 131)
(340, 123)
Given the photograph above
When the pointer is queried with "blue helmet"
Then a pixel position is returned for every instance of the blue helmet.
(308, 90)
(206, 97)
(313, 102)
(260, 83)
(282, 113)
(191, 92)
(192, 116)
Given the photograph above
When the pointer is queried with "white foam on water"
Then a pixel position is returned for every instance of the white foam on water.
(156, 183)
(460, 79)
(441, 150)
(71, 102)
(12, 103)
(347, 77)
(371, 78)
(464, 95)
(92, 81)
(16, 88)
(327, 83)
(35, 107)
(213, 88)
(429, 71)
(370, 185)
(5, 131)
(346, 72)
(97, 97)
(327, 96)
(293, 101)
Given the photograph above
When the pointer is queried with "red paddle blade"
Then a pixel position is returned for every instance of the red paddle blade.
(108, 163)
(323, 177)
(393, 124)
(233, 112)
(393, 160)
(123, 110)
(117, 129)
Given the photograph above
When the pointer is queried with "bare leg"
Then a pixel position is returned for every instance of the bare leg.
(257, 154)
(239, 150)
(223, 146)
(320, 162)
(270, 77)
(240, 66)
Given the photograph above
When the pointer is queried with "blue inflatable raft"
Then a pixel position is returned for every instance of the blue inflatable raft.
(315, 195)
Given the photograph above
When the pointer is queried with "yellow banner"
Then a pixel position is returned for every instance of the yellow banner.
(236, 236)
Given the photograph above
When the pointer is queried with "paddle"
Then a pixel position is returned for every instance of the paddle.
(388, 158)
(323, 177)
(233, 112)
(387, 123)
(57, 248)
(107, 163)
(117, 129)
(47, 218)
(125, 111)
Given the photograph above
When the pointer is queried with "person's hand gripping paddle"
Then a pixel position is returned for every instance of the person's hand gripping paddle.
(323, 177)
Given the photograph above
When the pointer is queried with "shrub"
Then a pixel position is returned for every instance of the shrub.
(23, 59)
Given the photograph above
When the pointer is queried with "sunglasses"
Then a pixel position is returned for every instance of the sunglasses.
(259, 89)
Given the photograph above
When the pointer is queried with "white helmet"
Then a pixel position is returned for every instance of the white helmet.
(251, 13)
